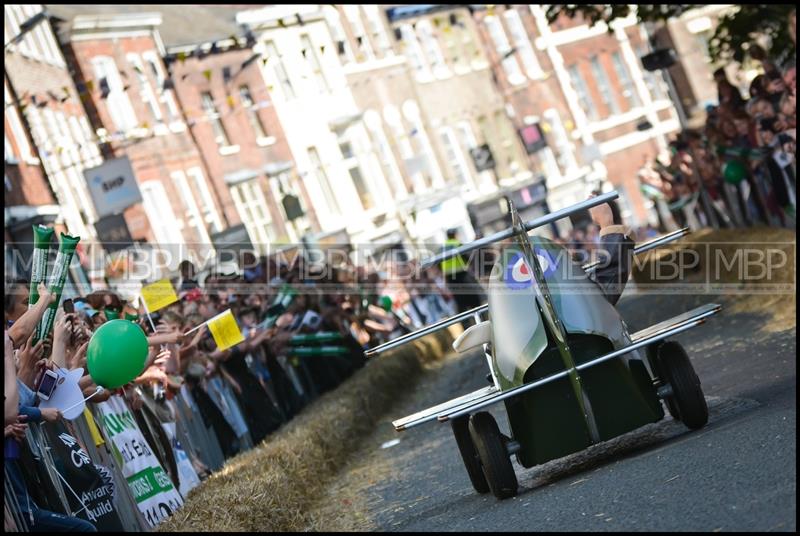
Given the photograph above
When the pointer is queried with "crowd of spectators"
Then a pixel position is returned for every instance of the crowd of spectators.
(739, 169)
(305, 330)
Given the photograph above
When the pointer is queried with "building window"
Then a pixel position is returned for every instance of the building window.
(337, 33)
(324, 182)
(350, 160)
(432, 49)
(10, 156)
(14, 17)
(584, 98)
(653, 80)
(275, 60)
(38, 43)
(280, 187)
(624, 77)
(195, 219)
(154, 64)
(377, 29)
(252, 112)
(413, 50)
(522, 43)
(373, 121)
(346, 149)
(146, 92)
(165, 225)
(604, 86)
(361, 187)
(16, 127)
(252, 208)
(507, 139)
(220, 135)
(117, 102)
(566, 157)
(455, 158)
(310, 54)
(471, 53)
(207, 208)
(353, 16)
(504, 50)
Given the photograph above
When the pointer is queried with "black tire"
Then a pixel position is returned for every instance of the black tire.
(687, 399)
(468, 454)
(493, 455)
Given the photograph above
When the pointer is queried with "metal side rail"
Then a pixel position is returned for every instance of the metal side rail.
(427, 330)
(647, 246)
(703, 311)
(659, 332)
(431, 413)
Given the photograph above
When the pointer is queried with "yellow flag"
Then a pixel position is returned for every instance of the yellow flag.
(225, 330)
(158, 295)
(96, 437)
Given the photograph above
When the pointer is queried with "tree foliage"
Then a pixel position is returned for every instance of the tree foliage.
(736, 30)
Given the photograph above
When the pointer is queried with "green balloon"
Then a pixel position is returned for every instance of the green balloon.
(117, 353)
(734, 171)
(386, 303)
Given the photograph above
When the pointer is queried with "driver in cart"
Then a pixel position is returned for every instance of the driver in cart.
(616, 250)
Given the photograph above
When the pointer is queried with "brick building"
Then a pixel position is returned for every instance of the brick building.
(218, 82)
(599, 112)
(326, 130)
(462, 112)
(49, 143)
(116, 59)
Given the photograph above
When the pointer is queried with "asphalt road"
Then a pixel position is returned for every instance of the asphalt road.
(737, 473)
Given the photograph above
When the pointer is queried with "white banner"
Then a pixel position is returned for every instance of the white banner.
(152, 488)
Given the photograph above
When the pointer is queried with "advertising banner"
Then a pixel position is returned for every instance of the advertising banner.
(91, 488)
(152, 487)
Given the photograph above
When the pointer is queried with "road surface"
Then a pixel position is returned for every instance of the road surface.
(737, 473)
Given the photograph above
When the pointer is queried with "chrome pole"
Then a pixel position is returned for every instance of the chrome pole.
(529, 226)
(647, 246)
(427, 330)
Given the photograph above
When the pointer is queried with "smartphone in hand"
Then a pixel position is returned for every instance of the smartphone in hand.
(46, 384)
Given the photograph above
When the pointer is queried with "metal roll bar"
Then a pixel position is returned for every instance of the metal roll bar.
(533, 224)
(647, 246)
(427, 330)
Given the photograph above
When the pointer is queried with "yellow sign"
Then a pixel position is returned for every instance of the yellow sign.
(96, 437)
(225, 330)
(158, 295)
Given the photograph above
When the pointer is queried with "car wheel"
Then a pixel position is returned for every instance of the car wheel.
(687, 399)
(493, 455)
(468, 453)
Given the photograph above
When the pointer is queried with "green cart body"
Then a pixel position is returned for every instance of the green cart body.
(560, 358)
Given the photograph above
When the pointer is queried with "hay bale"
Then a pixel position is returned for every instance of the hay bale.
(704, 249)
(721, 267)
(271, 487)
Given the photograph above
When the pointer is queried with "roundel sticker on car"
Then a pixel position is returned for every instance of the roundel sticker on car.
(518, 274)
